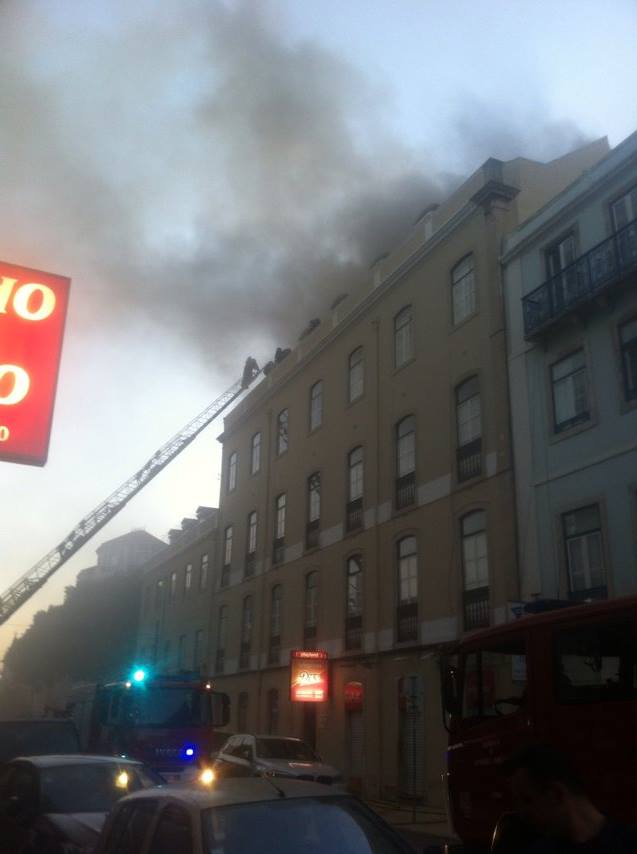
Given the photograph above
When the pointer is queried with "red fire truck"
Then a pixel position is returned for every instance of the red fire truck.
(169, 722)
(566, 678)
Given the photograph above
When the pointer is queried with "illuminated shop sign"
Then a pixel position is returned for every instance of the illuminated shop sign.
(308, 676)
(32, 314)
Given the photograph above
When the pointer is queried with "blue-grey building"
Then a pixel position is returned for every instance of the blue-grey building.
(570, 278)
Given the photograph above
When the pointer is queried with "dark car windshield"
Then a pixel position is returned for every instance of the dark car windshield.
(310, 825)
(168, 707)
(91, 788)
(33, 738)
(285, 748)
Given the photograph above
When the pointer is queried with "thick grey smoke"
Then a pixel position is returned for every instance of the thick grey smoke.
(189, 167)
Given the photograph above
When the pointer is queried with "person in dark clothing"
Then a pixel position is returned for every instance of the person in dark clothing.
(549, 796)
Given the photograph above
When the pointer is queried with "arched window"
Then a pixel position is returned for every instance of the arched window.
(255, 455)
(407, 584)
(227, 556)
(463, 290)
(316, 405)
(403, 336)
(251, 544)
(310, 607)
(469, 427)
(354, 515)
(354, 603)
(232, 471)
(406, 461)
(280, 508)
(313, 510)
(475, 569)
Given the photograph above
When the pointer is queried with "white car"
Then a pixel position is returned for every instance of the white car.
(246, 755)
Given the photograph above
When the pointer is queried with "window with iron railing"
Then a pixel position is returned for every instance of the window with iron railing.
(354, 603)
(469, 430)
(278, 547)
(407, 607)
(251, 545)
(583, 542)
(246, 633)
(354, 509)
(274, 646)
(475, 568)
(405, 462)
(628, 348)
(356, 375)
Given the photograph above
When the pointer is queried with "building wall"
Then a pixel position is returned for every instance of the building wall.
(473, 221)
(596, 461)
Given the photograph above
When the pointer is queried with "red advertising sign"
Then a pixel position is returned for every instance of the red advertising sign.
(308, 676)
(32, 314)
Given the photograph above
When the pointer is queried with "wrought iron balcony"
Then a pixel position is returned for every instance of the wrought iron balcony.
(312, 532)
(469, 460)
(407, 622)
(591, 274)
(476, 608)
(354, 632)
(405, 490)
(354, 514)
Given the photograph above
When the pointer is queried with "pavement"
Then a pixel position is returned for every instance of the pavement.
(421, 826)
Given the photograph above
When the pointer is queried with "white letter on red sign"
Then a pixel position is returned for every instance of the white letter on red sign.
(21, 383)
(23, 295)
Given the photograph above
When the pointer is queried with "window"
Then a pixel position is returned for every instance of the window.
(197, 655)
(222, 629)
(356, 375)
(561, 270)
(274, 648)
(246, 633)
(273, 711)
(463, 290)
(406, 462)
(475, 570)
(242, 711)
(279, 528)
(255, 455)
(628, 348)
(173, 832)
(624, 212)
(173, 584)
(282, 432)
(203, 572)
(227, 556)
(570, 392)
(311, 607)
(407, 616)
(159, 591)
(468, 425)
(181, 653)
(585, 553)
(403, 336)
(316, 405)
(355, 489)
(595, 663)
(251, 546)
(354, 603)
(232, 471)
(313, 510)
(187, 578)
(494, 680)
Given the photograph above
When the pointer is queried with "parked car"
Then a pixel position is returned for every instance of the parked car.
(51, 804)
(35, 737)
(253, 755)
(248, 816)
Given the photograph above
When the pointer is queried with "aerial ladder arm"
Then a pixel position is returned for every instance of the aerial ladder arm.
(22, 589)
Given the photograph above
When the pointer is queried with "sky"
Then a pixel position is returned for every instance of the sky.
(211, 173)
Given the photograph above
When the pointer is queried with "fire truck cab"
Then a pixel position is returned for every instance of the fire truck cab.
(566, 678)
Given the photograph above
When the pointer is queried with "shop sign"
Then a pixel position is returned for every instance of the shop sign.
(308, 676)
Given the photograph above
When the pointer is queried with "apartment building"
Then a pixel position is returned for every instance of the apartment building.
(571, 292)
(175, 607)
(367, 504)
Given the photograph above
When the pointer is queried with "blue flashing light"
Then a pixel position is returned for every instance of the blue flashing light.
(139, 675)
(188, 752)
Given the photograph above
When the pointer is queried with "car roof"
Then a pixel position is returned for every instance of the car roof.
(237, 791)
(58, 759)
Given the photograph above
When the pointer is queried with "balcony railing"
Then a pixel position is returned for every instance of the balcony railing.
(312, 532)
(476, 608)
(250, 564)
(592, 273)
(469, 460)
(354, 632)
(244, 655)
(278, 550)
(354, 514)
(405, 490)
(274, 649)
(220, 661)
(407, 622)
